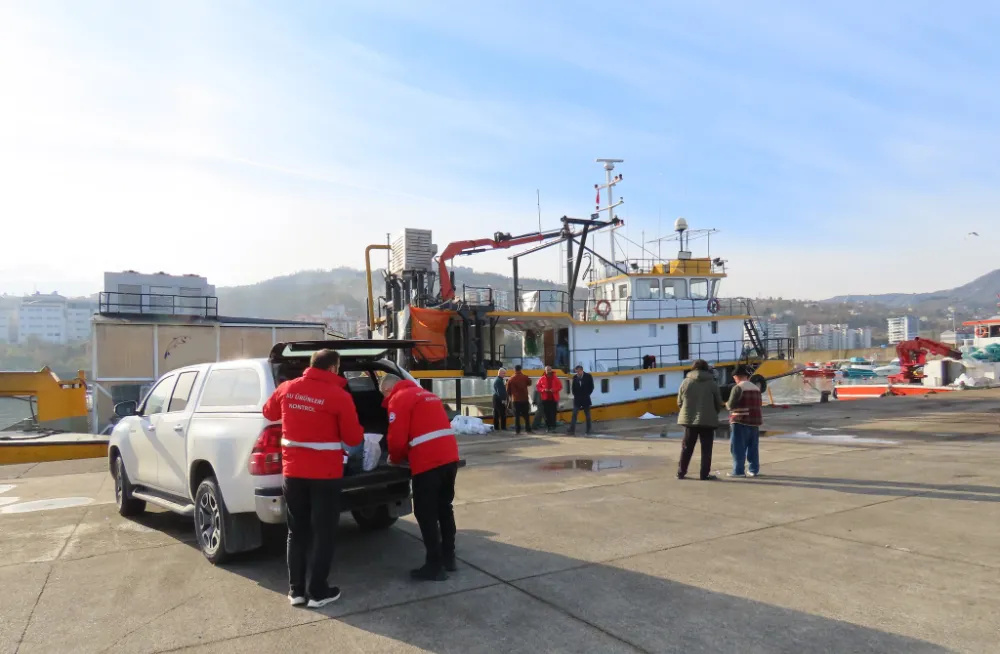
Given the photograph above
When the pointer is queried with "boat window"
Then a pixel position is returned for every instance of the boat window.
(598, 293)
(605, 385)
(715, 288)
(622, 291)
(654, 289)
(643, 288)
(674, 288)
(663, 381)
(715, 326)
(636, 383)
(699, 289)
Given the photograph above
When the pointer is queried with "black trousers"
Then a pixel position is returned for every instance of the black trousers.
(549, 407)
(433, 493)
(586, 414)
(313, 508)
(692, 434)
(499, 414)
(522, 410)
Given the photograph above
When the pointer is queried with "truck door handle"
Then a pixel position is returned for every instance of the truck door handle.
(178, 428)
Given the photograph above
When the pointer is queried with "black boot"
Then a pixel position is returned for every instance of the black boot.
(450, 564)
(429, 572)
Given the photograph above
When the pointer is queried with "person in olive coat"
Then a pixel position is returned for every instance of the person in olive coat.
(700, 402)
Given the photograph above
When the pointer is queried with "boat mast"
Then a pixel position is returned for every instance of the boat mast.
(610, 181)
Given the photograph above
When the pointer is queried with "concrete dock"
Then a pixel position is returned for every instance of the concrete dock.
(874, 528)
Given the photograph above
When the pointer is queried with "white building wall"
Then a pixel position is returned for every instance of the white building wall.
(903, 328)
(131, 290)
(42, 317)
(7, 322)
(79, 314)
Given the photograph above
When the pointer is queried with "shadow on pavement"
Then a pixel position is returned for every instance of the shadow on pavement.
(963, 492)
(580, 606)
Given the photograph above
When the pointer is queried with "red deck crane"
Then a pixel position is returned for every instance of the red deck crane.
(500, 241)
(913, 355)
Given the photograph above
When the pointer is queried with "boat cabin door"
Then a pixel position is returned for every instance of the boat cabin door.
(683, 342)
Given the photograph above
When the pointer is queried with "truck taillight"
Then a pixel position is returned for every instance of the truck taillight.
(265, 458)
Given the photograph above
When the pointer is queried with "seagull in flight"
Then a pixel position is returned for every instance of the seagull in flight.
(972, 234)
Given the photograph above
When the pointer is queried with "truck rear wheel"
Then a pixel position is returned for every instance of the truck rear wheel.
(210, 521)
(373, 518)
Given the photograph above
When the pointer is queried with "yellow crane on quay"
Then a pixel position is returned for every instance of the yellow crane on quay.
(53, 403)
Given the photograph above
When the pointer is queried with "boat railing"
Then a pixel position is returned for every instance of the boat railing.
(628, 308)
(152, 304)
(639, 357)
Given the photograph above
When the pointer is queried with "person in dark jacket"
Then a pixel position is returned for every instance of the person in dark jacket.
(517, 391)
(699, 402)
(318, 418)
(500, 401)
(745, 419)
(582, 388)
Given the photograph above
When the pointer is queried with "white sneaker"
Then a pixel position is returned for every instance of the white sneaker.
(296, 600)
(329, 599)
(752, 474)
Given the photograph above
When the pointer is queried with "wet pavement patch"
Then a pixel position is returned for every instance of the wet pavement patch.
(595, 464)
(6, 487)
(47, 505)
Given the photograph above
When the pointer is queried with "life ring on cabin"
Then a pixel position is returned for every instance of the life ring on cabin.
(602, 308)
(983, 331)
(713, 305)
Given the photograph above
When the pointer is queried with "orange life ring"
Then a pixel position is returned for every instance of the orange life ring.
(713, 305)
(602, 308)
(983, 331)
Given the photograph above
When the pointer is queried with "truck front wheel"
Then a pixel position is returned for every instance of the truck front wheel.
(373, 518)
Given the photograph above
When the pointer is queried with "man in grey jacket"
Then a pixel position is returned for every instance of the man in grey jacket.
(699, 402)
(500, 401)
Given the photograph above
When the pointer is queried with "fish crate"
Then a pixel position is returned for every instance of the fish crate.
(412, 250)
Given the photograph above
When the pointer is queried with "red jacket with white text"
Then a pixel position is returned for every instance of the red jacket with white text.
(317, 417)
(419, 429)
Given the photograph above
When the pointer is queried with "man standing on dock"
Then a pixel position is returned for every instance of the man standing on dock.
(549, 386)
(517, 390)
(583, 388)
(699, 403)
(500, 401)
(745, 419)
(318, 418)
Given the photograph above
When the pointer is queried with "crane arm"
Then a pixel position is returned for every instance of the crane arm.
(500, 241)
(915, 351)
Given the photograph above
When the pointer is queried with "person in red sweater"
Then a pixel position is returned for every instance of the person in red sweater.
(420, 432)
(318, 418)
(548, 387)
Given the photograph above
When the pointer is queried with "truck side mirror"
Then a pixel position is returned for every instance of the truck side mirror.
(125, 409)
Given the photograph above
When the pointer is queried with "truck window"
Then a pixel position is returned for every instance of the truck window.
(182, 391)
(156, 401)
(232, 387)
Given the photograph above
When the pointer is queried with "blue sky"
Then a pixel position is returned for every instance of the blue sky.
(839, 147)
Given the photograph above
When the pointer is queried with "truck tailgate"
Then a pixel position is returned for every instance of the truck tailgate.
(380, 476)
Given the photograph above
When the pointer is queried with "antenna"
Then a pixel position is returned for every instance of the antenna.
(609, 166)
(538, 199)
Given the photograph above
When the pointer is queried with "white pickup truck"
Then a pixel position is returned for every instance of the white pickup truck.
(199, 445)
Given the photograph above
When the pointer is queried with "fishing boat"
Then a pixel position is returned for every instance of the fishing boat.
(916, 376)
(635, 323)
(825, 371)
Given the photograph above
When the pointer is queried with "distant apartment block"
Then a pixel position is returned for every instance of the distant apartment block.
(833, 337)
(903, 328)
(774, 329)
(50, 318)
(131, 292)
(8, 322)
(337, 320)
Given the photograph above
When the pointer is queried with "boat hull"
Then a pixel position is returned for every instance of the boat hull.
(868, 391)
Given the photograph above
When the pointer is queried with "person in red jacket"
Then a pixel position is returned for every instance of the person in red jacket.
(318, 418)
(420, 432)
(548, 387)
